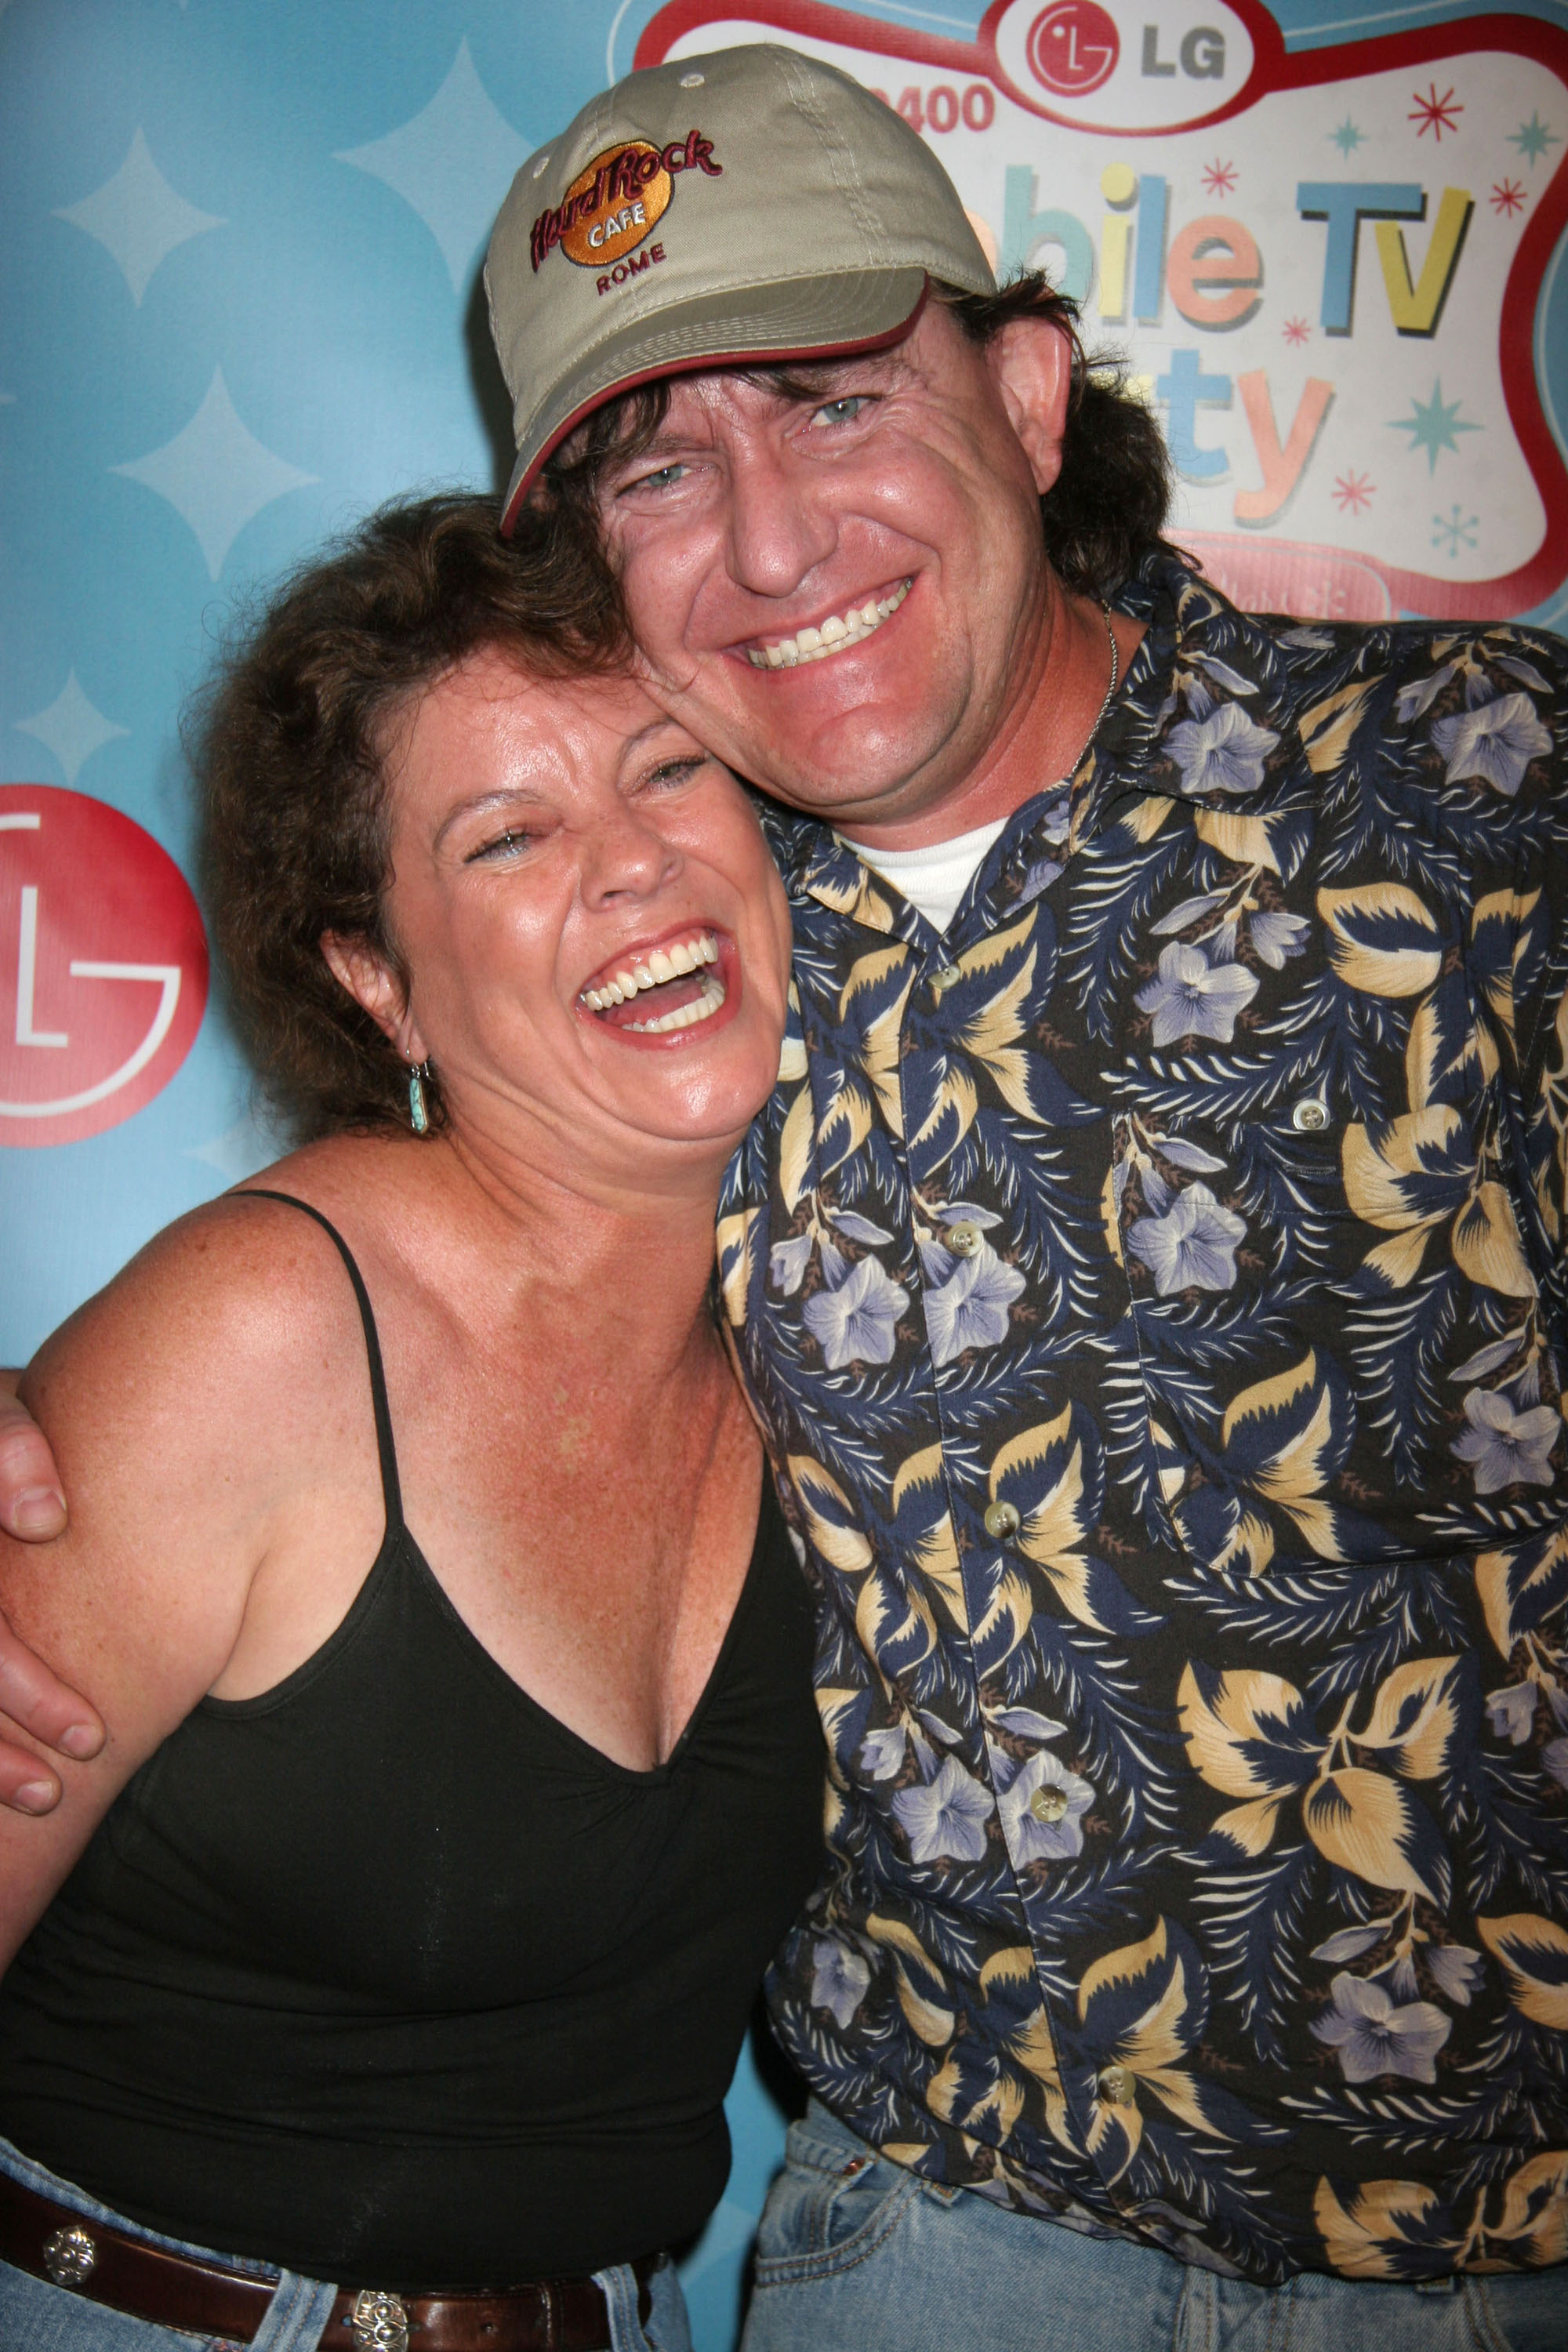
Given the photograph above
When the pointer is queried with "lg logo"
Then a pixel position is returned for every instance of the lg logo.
(1074, 47)
(110, 959)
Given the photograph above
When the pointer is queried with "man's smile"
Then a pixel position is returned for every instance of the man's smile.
(832, 635)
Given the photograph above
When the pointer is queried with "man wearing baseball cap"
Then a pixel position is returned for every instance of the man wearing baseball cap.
(1148, 1273)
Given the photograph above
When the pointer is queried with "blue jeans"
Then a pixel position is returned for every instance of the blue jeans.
(37, 2317)
(873, 2259)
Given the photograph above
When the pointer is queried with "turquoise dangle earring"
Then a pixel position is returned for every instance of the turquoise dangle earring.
(418, 1115)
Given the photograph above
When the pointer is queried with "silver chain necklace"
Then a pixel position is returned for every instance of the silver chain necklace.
(1109, 691)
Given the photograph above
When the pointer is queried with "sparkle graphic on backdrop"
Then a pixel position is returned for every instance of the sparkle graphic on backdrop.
(1352, 492)
(216, 474)
(1508, 196)
(452, 164)
(1433, 113)
(1219, 179)
(72, 727)
(1433, 426)
(138, 217)
(1532, 139)
(1455, 530)
(1346, 137)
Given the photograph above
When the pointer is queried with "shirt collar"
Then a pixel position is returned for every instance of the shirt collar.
(1167, 731)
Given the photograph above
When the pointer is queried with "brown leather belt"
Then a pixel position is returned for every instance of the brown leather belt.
(182, 2290)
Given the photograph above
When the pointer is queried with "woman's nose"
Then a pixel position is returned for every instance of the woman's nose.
(626, 856)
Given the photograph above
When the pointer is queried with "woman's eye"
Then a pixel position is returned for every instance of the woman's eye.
(842, 411)
(505, 845)
(676, 771)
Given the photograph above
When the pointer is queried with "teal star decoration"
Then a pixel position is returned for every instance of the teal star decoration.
(1347, 138)
(1532, 139)
(1432, 427)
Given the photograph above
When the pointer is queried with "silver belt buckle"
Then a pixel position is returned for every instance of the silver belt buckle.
(380, 2322)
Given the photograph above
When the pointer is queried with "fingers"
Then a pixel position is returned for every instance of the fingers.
(32, 1505)
(37, 1699)
(26, 1785)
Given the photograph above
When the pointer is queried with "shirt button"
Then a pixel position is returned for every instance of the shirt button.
(1002, 1521)
(946, 975)
(964, 1239)
(1048, 1804)
(1115, 2086)
(1309, 1116)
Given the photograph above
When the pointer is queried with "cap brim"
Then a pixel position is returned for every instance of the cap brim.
(794, 318)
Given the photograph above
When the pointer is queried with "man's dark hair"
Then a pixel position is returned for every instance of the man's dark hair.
(291, 741)
(1105, 511)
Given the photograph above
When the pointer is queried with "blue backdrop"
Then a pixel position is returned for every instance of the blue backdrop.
(238, 305)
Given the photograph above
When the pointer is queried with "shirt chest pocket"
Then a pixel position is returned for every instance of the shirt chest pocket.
(1337, 1327)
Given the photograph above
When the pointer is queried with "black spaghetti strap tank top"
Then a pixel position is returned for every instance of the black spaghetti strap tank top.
(388, 1977)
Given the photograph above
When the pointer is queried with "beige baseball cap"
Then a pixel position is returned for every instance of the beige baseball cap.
(749, 205)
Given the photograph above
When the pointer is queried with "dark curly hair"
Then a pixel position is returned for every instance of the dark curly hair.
(1104, 513)
(290, 741)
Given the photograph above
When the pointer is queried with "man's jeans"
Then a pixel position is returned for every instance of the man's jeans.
(855, 2254)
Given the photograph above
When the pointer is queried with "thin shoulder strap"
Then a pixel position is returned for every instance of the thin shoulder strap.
(392, 1493)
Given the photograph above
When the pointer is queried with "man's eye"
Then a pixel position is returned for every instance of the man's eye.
(661, 478)
(842, 411)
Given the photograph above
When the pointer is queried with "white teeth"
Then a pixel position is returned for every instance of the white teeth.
(685, 1017)
(812, 644)
(653, 970)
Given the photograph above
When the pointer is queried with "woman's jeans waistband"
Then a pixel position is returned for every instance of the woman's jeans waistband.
(35, 2316)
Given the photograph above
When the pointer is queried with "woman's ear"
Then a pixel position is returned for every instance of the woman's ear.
(1031, 365)
(365, 974)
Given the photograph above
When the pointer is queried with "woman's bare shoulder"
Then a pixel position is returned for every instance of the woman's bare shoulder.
(226, 1325)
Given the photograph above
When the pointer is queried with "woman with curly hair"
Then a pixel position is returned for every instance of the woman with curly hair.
(462, 1769)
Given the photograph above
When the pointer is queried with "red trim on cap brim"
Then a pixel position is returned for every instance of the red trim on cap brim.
(693, 367)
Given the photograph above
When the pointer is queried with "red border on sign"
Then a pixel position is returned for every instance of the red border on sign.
(1277, 67)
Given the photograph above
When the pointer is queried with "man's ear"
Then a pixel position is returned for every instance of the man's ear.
(368, 977)
(1031, 365)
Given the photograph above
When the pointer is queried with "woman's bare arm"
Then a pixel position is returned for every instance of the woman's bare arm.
(159, 1399)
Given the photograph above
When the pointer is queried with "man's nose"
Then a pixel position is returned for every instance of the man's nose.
(779, 530)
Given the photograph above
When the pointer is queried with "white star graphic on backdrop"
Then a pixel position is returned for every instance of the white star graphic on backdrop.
(252, 1142)
(216, 474)
(72, 727)
(138, 217)
(453, 162)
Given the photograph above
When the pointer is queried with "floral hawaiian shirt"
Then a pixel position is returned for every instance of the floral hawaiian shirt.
(1155, 1290)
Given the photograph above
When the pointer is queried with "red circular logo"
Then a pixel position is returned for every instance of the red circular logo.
(1073, 48)
(103, 966)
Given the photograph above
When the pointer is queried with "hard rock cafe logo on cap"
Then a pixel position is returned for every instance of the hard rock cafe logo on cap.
(618, 199)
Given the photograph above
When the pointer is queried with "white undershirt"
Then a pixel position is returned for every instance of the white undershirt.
(933, 878)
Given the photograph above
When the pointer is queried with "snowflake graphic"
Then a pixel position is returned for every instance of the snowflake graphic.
(1353, 492)
(1346, 137)
(1295, 330)
(1508, 196)
(1433, 113)
(1431, 424)
(1453, 532)
(1532, 139)
(1219, 179)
